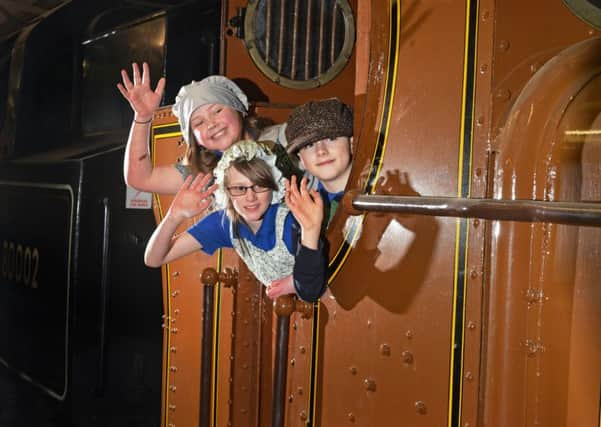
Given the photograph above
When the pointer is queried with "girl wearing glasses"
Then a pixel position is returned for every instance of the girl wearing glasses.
(248, 190)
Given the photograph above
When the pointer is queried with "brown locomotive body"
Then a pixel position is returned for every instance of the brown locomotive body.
(431, 319)
(464, 260)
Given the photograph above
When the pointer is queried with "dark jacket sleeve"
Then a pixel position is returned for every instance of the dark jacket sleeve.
(310, 270)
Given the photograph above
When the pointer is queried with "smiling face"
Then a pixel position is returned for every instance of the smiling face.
(216, 126)
(251, 206)
(329, 160)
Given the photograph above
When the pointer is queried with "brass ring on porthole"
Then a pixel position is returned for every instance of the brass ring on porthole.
(320, 77)
(589, 12)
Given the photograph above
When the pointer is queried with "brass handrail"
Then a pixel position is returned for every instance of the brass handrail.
(209, 278)
(284, 305)
(572, 213)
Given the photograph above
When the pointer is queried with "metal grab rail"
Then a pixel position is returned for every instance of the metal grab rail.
(572, 213)
(209, 279)
(285, 305)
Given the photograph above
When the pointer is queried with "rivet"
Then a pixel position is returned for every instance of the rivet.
(244, 410)
(471, 325)
(503, 94)
(420, 407)
(302, 349)
(245, 322)
(369, 323)
(293, 361)
(476, 223)
(480, 121)
(351, 417)
(172, 408)
(369, 384)
(294, 326)
(503, 45)
(534, 67)
(233, 313)
(532, 348)
(302, 415)
(174, 330)
(172, 349)
(474, 274)
(409, 335)
(478, 172)
(172, 388)
(299, 391)
(385, 350)
(407, 357)
(485, 15)
(290, 398)
(353, 370)
(176, 311)
(175, 273)
(469, 376)
(483, 68)
(173, 368)
(175, 293)
(533, 295)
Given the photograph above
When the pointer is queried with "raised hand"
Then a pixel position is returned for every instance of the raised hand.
(192, 198)
(279, 287)
(305, 204)
(142, 99)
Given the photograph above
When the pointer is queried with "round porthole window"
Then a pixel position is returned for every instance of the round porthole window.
(299, 44)
(587, 10)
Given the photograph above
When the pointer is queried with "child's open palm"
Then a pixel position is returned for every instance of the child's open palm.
(142, 99)
(192, 198)
(307, 207)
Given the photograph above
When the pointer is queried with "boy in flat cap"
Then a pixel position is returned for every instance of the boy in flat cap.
(320, 133)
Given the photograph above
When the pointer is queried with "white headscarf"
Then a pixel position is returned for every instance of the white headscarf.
(210, 90)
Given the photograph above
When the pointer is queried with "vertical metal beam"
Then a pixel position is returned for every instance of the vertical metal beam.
(268, 31)
(294, 41)
(209, 279)
(281, 38)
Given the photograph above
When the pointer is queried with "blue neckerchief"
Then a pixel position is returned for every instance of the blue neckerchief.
(217, 153)
(327, 195)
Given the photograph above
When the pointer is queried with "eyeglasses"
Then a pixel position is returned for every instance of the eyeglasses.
(240, 190)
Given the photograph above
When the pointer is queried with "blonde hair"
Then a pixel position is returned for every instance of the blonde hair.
(258, 172)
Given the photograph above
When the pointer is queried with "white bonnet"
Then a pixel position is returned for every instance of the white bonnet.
(247, 149)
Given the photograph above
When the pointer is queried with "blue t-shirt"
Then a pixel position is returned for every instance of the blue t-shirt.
(213, 231)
